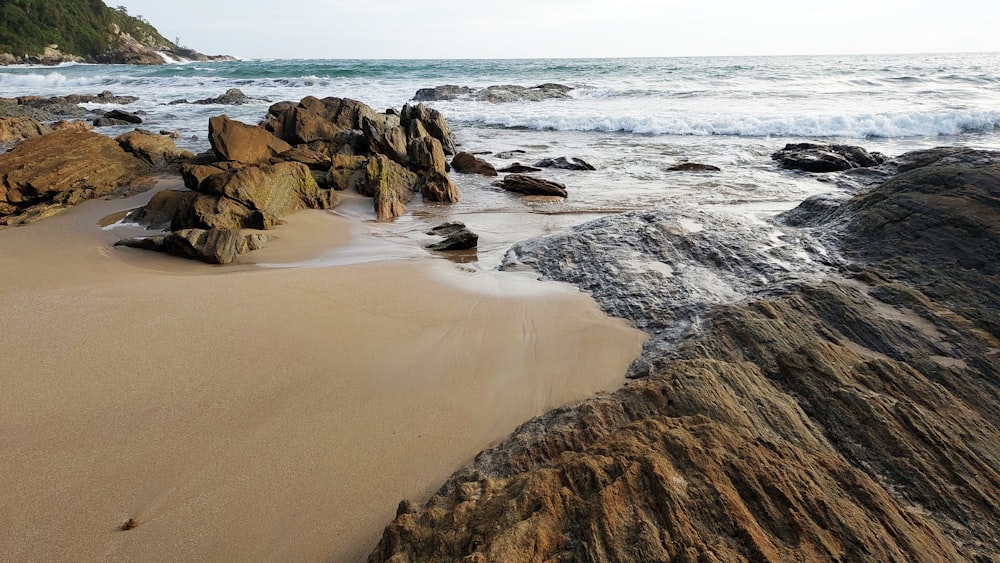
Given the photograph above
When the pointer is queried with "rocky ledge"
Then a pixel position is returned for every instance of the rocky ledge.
(828, 391)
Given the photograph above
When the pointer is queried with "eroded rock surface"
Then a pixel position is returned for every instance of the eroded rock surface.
(849, 414)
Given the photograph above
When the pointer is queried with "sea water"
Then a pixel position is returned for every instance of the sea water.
(630, 118)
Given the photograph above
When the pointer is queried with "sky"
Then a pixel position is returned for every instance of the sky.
(457, 29)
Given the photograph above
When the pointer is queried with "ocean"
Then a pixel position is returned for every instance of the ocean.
(630, 118)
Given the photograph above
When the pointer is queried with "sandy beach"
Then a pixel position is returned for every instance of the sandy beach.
(248, 413)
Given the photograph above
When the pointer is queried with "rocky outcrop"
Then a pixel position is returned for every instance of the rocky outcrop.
(495, 94)
(14, 129)
(354, 137)
(214, 246)
(845, 411)
(44, 175)
(529, 185)
(564, 163)
(232, 97)
(812, 157)
(467, 163)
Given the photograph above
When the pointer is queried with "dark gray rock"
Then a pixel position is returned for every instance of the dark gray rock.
(529, 185)
(693, 167)
(232, 97)
(812, 157)
(505, 93)
(518, 168)
(125, 116)
(457, 237)
(564, 163)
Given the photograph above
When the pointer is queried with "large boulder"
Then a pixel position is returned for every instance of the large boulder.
(44, 174)
(313, 119)
(467, 163)
(529, 185)
(14, 129)
(215, 246)
(155, 149)
(232, 140)
(427, 154)
(812, 157)
(273, 191)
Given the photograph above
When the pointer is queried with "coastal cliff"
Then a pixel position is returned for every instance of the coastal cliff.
(48, 32)
(832, 396)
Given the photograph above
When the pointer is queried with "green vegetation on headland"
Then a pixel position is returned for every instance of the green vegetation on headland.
(53, 31)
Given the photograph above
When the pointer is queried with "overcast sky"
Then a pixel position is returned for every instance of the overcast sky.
(577, 28)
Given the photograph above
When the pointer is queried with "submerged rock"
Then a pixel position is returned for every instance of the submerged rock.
(805, 415)
(693, 167)
(564, 163)
(529, 185)
(518, 168)
(812, 157)
(495, 94)
(457, 237)
(232, 97)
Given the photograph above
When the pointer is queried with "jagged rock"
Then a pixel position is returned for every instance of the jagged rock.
(195, 174)
(270, 191)
(466, 163)
(421, 118)
(232, 140)
(156, 150)
(344, 172)
(427, 154)
(60, 169)
(436, 186)
(390, 184)
(518, 168)
(529, 185)
(215, 246)
(564, 163)
(232, 97)
(457, 237)
(313, 119)
(814, 418)
(315, 160)
(812, 157)
(14, 129)
(119, 115)
(693, 167)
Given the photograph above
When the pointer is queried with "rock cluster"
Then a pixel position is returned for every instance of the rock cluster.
(844, 417)
(298, 158)
(45, 174)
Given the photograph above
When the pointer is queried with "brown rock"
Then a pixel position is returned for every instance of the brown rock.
(530, 185)
(389, 183)
(232, 140)
(426, 154)
(195, 174)
(313, 119)
(61, 169)
(468, 163)
(159, 213)
(420, 118)
(215, 246)
(344, 174)
(313, 159)
(156, 150)
(437, 186)
(272, 191)
(14, 129)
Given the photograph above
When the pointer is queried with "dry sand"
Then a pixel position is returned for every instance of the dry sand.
(240, 413)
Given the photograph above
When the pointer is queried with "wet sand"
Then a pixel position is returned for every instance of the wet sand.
(247, 413)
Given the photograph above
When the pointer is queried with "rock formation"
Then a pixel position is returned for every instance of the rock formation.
(296, 159)
(43, 175)
(844, 411)
(812, 157)
(14, 129)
